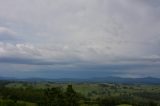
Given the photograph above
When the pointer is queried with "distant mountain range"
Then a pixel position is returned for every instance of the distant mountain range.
(145, 80)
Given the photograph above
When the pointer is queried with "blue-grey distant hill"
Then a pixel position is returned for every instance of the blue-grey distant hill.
(145, 80)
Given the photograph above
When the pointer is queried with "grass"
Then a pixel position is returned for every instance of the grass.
(18, 103)
(93, 91)
(124, 105)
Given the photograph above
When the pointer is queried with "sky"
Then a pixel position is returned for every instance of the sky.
(79, 38)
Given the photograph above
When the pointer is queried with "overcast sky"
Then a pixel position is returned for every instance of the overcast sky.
(79, 38)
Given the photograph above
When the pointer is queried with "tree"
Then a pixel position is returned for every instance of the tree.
(72, 97)
(54, 97)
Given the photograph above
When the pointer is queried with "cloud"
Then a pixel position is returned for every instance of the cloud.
(6, 34)
(87, 35)
(10, 49)
(29, 61)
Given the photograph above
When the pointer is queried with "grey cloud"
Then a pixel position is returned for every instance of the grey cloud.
(7, 34)
(155, 3)
(29, 61)
(97, 33)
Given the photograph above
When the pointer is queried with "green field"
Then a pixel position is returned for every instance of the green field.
(89, 94)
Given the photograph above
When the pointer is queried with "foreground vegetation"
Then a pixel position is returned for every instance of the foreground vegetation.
(81, 94)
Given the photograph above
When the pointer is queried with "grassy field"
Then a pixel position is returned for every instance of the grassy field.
(93, 91)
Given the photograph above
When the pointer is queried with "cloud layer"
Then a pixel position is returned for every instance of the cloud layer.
(53, 38)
